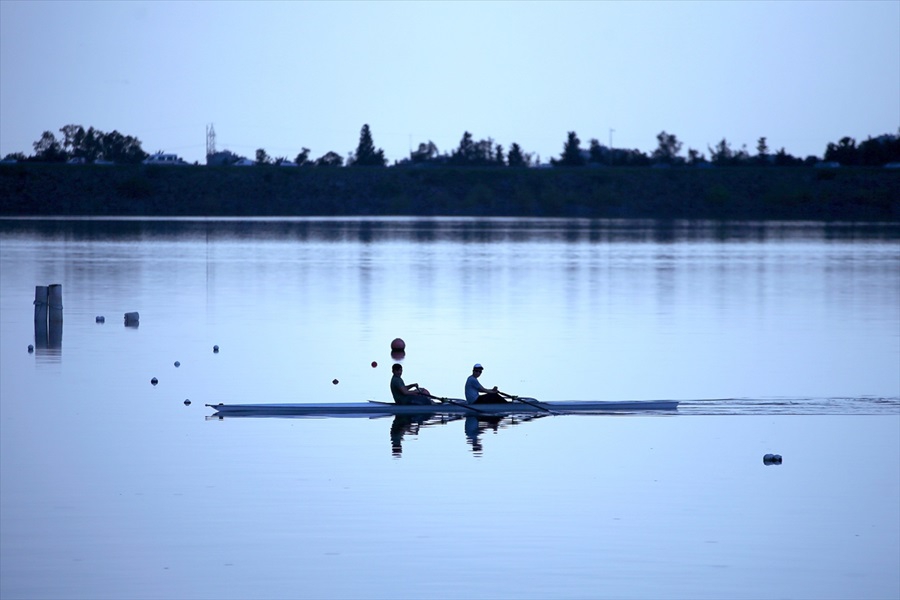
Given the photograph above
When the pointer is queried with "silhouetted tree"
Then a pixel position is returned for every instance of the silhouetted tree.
(667, 149)
(366, 155)
(424, 153)
(302, 157)
(571, 155)
(330, 159)
(722, 154)
(762, 151)
(844, 151)
(517, 158)
(262, 158)
(47, 149)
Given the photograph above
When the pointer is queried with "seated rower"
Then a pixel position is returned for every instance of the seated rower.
(477, 393)
(407, 394)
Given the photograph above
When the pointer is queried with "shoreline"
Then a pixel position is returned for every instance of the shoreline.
(727, 193)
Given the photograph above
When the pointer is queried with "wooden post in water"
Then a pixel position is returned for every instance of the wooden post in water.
(55, 305)
(54, 294)
(40, 316)
(41, 296)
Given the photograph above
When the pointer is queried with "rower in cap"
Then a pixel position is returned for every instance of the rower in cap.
(477, 393)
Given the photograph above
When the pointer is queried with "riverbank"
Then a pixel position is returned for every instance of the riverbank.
(855, 194)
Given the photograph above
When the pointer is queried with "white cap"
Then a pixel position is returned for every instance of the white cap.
(477, 366)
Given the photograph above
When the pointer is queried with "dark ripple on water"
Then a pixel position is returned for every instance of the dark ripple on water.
(865, 405)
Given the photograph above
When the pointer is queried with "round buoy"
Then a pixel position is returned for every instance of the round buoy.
(187, 402)
(398, 344)
(374, 364)
(100, 319)
(177, 364)
(154, 381)
(215, 348)
(335, 381)
(30, 348)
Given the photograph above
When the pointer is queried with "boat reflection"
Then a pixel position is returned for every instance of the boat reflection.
(412, 425)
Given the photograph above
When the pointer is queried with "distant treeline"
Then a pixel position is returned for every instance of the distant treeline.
(81, 145)
(725, 193)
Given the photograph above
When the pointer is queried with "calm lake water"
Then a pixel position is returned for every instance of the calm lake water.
(777, 338)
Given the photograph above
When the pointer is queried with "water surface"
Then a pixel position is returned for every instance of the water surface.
(777, 338)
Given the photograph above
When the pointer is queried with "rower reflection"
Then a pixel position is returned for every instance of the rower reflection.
(403, 425)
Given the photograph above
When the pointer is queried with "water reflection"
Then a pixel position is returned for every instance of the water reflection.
(368, 230)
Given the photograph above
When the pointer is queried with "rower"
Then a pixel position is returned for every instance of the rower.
(407, 394)
(477, 393)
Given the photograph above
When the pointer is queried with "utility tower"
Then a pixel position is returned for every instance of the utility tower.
(210, 140)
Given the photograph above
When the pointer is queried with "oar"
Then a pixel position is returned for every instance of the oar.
(524, 401)
(451, 401)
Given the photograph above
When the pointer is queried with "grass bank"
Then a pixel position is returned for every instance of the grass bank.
(861, 194)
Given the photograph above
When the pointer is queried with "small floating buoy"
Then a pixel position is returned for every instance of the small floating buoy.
(177, 364)
(187, 402)
(335, 381)
(374, 364)
(132, 318)
(154, 381)
(30, 348)
(100, 319)
(215, 349)
(398, 344)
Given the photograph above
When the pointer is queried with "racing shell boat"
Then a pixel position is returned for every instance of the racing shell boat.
(446, 406)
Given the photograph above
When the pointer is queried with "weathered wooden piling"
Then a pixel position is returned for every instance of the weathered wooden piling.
(41, 298)
(55, 305)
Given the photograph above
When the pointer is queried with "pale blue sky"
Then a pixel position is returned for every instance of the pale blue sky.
(286, 75)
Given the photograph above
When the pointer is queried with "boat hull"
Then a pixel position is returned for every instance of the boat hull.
(452, 407)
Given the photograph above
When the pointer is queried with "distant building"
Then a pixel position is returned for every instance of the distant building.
(223, 158)
(161, 158)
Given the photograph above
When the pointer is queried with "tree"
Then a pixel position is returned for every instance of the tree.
(667, 150)
(762, 151)
(465, 153)
(498, 156)
(424, 153)
(516, 157)
(571, 155)
(122, 148)
(722, 154)
(330, 159)
(302, 157)
(844, 152)
(366, 154)
(47, 149)
(262, 158)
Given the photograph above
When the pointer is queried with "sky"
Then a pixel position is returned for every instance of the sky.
(287, 75)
